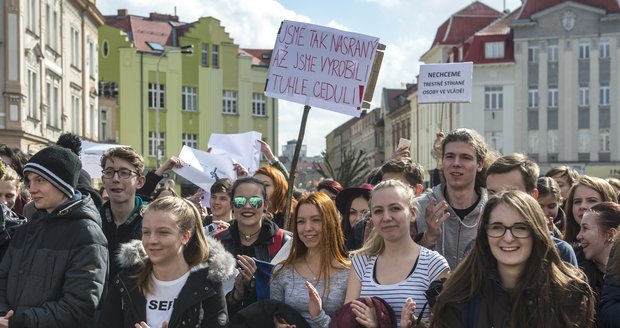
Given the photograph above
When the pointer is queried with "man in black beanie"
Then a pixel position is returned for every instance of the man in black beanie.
(54, 269)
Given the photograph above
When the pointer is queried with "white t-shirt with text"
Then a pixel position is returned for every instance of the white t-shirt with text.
(159, 304)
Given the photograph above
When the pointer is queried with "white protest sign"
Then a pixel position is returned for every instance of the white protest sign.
(321, 67)
(243, 148)
(440, 83)
(203, 169)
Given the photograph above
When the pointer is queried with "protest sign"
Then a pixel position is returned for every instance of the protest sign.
(203, 169)
(323, 67)
(243, 148)
(440, 83)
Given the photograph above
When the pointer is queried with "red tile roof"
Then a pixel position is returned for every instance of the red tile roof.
(533, 6)
(260, 57)
(464, 23)
(147, 29)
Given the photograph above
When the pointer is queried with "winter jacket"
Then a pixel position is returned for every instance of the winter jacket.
(201, 301)
(259, 250)
(608, 314)
(54, 270)
(9, 222)
(455, 234)
(492, 306)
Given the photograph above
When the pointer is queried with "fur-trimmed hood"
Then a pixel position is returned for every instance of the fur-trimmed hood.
(220, 263)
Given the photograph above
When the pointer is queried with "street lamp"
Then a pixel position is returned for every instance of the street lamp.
(188, 50)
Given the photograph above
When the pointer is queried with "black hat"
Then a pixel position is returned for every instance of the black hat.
(349, 194)
(58, 165)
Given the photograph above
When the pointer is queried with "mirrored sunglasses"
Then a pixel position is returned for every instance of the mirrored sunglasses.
(240, 201)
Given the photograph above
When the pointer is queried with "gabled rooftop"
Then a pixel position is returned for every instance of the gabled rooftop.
(464, 23)
(533, 6)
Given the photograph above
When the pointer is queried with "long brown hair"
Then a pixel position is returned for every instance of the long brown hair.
(544, 270)
(602, 187)
(187, 218)
(332, 242)
(277, 201)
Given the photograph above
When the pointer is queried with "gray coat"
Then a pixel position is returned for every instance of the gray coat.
(455, 234)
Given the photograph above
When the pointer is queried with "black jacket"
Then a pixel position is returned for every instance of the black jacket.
(54, 270)
(201, 302)
(9, 222)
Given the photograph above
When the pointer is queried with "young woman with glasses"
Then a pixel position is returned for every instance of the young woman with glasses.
(514, 277)
(250, 236)
(313, 278)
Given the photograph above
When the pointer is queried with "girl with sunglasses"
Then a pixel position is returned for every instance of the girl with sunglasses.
(313, 278)
(250, 236)
(513, 276)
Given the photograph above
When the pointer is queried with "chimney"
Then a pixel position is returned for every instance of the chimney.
(121, 12)
(163, 17)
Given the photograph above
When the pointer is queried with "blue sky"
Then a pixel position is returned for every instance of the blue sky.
(407, 27)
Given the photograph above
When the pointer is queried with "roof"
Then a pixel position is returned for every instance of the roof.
(465, 23)
(261, 57)
(157, 28)
(498, 31)
(533, 6)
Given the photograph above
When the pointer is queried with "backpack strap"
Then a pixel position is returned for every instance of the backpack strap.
(278, 238)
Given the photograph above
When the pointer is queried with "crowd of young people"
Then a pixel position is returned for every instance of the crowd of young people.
(491, 245)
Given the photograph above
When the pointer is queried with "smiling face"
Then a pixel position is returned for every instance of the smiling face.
(121, 190)
(220, 205)
(391, 213)
(162, 238)
(309, 225)
(583, 199)
(359, 206)
(460, 165)
(594, 242)
(249, 216)
(510, 252)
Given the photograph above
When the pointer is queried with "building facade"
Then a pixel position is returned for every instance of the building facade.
(48, 71)
(218, 88)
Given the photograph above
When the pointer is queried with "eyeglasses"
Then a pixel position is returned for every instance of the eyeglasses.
(518, 230)
(122, 173)
(240, 201)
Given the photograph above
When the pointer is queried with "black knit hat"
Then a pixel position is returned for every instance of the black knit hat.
(58, 165)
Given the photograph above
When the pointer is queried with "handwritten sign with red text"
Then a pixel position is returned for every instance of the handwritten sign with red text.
(321, 67)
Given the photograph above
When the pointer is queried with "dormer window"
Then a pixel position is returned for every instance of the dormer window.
(494, 50)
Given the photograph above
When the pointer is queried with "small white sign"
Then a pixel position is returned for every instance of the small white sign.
(243, 148)
(320, 66)
(442, 83)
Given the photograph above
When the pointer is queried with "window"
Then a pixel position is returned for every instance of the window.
(493, 98)
(156, 96)
(51, 26)
(33, 15)
(229, 102)
(92, 62)
(552, 95)
(205, 54)
(258, 104)
(584, 96)
(33, 95)
(215, 55)
(189, 99)
(604, 96)
(494, 50)
(604, 141)
(532, 54)
(103, 124)
(552, 53)
(75, 47)
(552, 141)
(604, 49)
(532, 97)
(153, 144)
(532, 142)
(584, 49)
(76, 112)
(584, 141)
(53, 101)
(190, 140)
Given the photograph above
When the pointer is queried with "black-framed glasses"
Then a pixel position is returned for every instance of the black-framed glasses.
(240, 201)
(518, 230)
(122, 173)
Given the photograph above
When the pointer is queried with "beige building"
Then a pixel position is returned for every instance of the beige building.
(48, 75)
